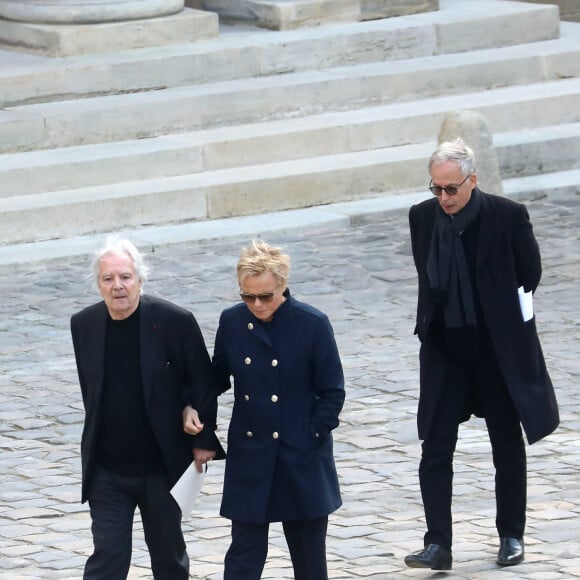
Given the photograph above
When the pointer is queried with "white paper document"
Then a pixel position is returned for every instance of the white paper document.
(526, 304)
(186, 491)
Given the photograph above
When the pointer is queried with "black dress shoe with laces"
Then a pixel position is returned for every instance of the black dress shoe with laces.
(511, 552)
(432, 556)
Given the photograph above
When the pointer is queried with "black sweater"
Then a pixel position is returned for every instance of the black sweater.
(126, 441)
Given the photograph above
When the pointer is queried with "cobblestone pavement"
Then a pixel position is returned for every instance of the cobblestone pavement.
(363, 277)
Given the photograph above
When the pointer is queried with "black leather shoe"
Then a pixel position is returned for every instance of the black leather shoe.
(431, 556)
(511, 552)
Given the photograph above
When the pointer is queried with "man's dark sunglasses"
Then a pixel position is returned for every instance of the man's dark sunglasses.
(449, 189)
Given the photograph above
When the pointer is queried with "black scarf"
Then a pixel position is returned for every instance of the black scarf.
(447, 267)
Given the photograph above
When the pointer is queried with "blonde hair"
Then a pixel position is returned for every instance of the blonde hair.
(260, 258)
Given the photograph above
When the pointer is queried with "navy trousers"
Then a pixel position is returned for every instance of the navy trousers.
(478, 385)
(246, 556)
(112, 500)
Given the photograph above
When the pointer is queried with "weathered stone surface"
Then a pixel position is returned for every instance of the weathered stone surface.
(62, 40)
(569, 9)
(473, 128)
(85, 11)
(290, 14)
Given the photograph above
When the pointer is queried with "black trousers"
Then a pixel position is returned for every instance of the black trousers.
(246, 556)
(112, 500)
(478, 385)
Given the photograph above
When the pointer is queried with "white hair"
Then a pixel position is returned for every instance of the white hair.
(457, 151)
(117, 245)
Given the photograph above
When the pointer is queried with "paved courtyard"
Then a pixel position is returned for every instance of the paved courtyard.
(362, 276)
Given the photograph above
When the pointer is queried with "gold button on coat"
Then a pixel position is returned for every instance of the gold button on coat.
(248, 360)
(274, 398)
(250, 326)
(249, 434)
(275, 435)
(274, 363)
(246, 397)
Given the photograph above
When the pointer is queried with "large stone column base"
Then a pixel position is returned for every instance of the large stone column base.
(60, 40)
(290, 14)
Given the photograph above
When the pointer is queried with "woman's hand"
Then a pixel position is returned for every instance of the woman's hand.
(191, 423)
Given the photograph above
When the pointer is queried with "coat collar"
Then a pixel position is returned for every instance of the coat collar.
(259, 328)
(150, 340)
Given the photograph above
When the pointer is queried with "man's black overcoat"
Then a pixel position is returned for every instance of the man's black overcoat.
(507, 257)
(175, 370)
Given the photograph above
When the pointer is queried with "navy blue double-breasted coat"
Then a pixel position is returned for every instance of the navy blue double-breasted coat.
(288, 393)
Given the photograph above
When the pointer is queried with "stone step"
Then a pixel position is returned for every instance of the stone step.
(537, 151)
(207, 195)
(510, 108)
(289, 14)
(285, 14)
(459, 26)
(257, 189)
(554, 186)
(561, 185)
(63, 39)
(355, 115)
(142, 115)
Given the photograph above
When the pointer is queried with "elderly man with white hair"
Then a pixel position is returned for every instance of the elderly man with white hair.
(143, 366)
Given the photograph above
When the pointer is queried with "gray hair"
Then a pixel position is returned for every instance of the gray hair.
(457, 151)
(118, 246)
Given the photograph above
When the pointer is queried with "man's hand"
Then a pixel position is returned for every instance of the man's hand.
(191, 423)
(201, 457)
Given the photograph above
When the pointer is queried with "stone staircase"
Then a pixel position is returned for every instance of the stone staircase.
(256, 121)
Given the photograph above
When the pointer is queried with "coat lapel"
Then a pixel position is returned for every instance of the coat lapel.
(98, 351)
(149, 333)
(489, 228)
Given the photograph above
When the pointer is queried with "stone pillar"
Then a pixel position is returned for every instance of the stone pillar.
(86, 11)
(61, 28)
(473, 128)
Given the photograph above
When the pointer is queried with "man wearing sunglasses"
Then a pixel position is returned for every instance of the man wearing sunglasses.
(480, 354)
(288, 393)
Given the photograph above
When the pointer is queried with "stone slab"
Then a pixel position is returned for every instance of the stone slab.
(569, 9)
(542, 150)
(154, 113)
(100, 208)
(239, 53)
(393, 8)
(61, 40)
(256, 189)
(340, 167)
(292, 14)
(509, 109)
(300, 220)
